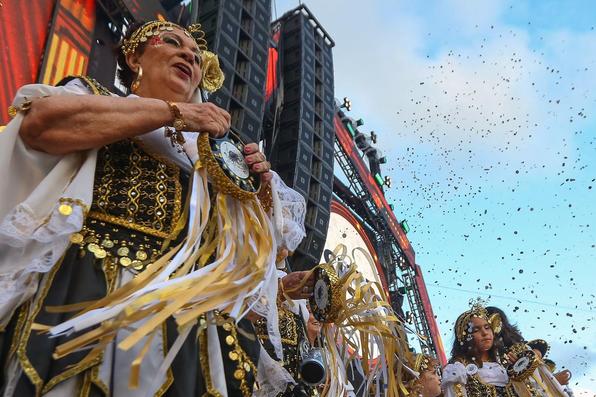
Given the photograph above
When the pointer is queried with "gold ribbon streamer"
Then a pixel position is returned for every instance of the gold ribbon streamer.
(237, 238)
(364, 310)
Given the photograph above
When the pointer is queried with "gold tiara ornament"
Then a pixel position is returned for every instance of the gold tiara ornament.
(196, 32)
(154, 28)
(213, 77)
(423, 363)
(463, 325)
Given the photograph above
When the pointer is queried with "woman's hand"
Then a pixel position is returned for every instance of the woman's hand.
(292, 280)
(511, 358)
(563, 377)
(257, 162)
(205, 117)
(538, 353)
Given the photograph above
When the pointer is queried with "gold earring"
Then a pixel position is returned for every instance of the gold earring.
(135, 84)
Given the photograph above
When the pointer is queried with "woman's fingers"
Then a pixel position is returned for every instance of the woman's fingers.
(266, 177)
(251, 148)
(254, 158)
(257, 161)
(205, 117)
(293, 280)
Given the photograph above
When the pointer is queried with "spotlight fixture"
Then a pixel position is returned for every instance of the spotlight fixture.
(388, 181)
(359, 122)
(373, 137)
(379, 179)
(347, 104)
(405, 226)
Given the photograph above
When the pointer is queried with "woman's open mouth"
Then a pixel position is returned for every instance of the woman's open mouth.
(183, 70)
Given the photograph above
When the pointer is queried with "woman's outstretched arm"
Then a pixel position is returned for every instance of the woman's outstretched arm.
(69, 123)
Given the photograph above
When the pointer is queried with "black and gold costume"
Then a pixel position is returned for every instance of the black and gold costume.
(475, 385)
(295, 346)
(137, 215)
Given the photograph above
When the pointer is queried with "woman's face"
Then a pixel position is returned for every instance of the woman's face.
(313, 328)
(431, 384)
(482, 335)
(171, 63)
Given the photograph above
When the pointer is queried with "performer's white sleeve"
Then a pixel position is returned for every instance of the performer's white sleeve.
(453, 374)
(289, 210)
(33, 232)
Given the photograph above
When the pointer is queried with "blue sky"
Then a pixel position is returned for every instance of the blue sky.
(485, 111)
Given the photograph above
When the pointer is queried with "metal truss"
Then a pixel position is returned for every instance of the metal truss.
(400, 275)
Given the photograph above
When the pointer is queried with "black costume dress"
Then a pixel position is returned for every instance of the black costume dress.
(136, 216)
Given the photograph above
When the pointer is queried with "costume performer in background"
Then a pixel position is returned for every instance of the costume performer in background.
(475, 368)
(294, 289)
(537, 379)
(95, 192)
(428, 382)
(563, 377)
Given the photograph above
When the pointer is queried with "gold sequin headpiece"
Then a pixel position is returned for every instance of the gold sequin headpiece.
(213, 76)
(463, 325)
(423, 363)
(154, 28)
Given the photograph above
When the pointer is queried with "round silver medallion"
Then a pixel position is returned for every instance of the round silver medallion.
(234, 160)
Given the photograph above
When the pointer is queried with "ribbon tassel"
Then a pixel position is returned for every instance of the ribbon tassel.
(219, 266)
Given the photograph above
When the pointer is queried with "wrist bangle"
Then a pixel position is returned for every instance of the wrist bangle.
(178, 122)
(281, 291)
(175, 135)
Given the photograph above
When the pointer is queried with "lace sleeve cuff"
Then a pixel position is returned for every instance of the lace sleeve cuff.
(455, 373)
(289, 210)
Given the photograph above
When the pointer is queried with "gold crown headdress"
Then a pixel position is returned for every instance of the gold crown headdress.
(213, 76)
(154, 28)
(423, 363)
(463, 325)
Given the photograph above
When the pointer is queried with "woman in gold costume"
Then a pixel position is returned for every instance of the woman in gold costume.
(98, 190)
(475, 368)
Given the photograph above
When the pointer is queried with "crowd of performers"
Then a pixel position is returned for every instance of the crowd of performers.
(142, 253)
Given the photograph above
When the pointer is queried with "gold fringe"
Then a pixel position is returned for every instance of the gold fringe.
(190, 298)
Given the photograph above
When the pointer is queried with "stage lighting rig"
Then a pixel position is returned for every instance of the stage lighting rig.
(388, 182)
(373, 137)
(347, 104)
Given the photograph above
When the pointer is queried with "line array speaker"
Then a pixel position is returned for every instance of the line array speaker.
(302, 151)
(238, 31)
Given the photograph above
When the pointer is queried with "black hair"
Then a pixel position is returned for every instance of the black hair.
(509, 335)
(125, 73)
(465, 350)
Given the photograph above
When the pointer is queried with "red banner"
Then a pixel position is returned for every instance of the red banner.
(23, 34)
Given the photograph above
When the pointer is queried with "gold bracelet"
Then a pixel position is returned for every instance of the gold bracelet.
(175, 136)
(178, 124)
(23, 107)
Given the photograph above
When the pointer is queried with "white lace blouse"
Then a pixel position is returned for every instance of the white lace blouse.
(457, 373)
